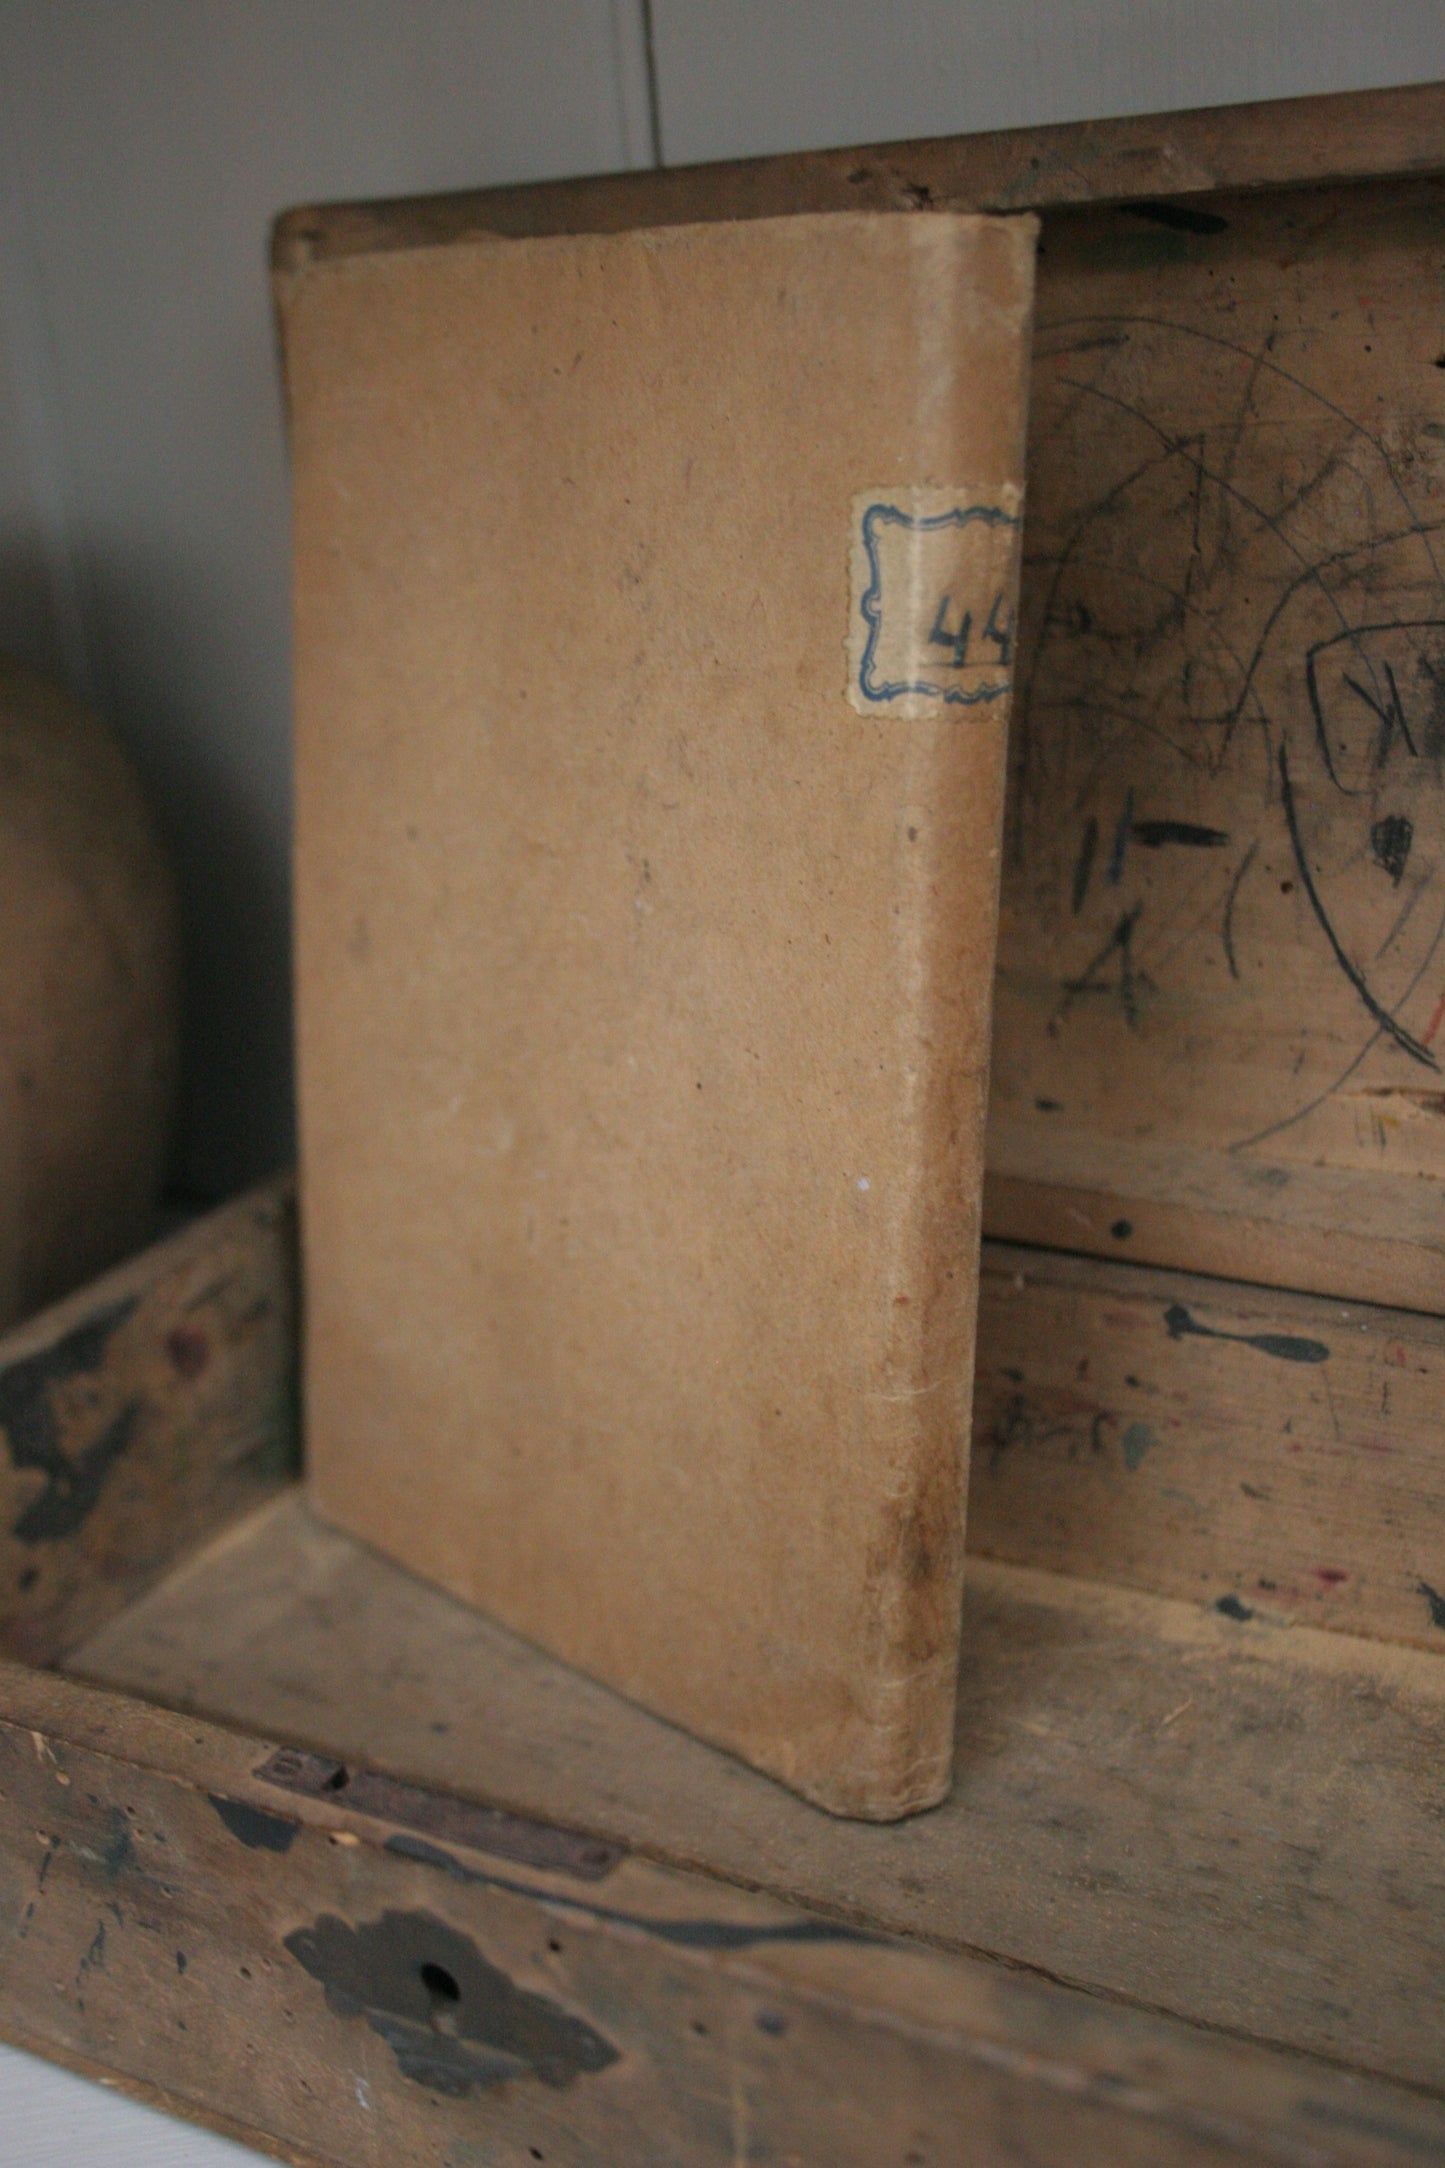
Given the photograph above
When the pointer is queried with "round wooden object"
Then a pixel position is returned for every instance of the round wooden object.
(88, 972)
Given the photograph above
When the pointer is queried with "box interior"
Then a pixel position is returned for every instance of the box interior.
(1201, 1706)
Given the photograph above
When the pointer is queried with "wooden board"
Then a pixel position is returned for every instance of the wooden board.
(342, 1989)
(1234, 1821)
(1281, 143)
(1205, 1439)
(1224, 921)
(140, 1415)
(1226, 1056)
(1134, 1426)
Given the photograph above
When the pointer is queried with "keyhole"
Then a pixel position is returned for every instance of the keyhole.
(443, 1994)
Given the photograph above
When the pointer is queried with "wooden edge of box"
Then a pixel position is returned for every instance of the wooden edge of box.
(157, 1407)
(224, 1891)
(1351, 135)
(141, 1414)
(182, 1911)
(1262, 1247)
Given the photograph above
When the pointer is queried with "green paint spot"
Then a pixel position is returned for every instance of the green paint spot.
(1137, 1440)
(116, 1849)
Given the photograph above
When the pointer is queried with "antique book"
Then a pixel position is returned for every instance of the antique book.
(654, 636)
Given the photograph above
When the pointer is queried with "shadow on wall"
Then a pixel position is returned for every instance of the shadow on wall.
(28, 632)
(176, 654)
(234, 1116)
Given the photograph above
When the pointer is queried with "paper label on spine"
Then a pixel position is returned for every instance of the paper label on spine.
(934, 579)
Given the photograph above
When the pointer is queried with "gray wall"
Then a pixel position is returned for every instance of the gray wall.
(145, 145)
(143, 513)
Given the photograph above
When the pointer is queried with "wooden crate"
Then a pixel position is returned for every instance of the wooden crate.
(294, 1845)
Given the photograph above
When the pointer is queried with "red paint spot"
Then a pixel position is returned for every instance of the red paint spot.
(1330, 1575)
(189, 1350)
(1435, 1022)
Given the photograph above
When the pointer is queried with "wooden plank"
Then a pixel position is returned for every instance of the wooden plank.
(1235, 1821)
(140, 1415)
(1323, 1229)
(1250, 1483)
(1284, 143)
(1212, 1441)
(341, 1991)
(1224, 897)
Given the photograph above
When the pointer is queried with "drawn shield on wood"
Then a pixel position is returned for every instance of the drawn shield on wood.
(1226, 824)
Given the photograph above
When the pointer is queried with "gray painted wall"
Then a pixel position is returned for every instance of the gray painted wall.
(143, 510)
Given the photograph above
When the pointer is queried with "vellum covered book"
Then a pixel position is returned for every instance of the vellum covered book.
(655, 606)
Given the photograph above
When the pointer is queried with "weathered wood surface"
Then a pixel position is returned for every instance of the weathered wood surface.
(140, 1415)
(1283, 143)
(1224, 917)
(343, 1990)
(1210, 1440)
(1328, 1229)
(1238, 429)
(1112, 1438)
(1233, 1820)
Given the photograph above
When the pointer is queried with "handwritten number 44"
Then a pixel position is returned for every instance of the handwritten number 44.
(999, 631)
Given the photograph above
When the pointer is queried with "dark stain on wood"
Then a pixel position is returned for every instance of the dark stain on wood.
(1180, 217)
(440, 1814)
(117, 1848)
(28, 1418)
(1155, 834)
(1286, 1347)
(257, 1830)
(1084, 865)
(453, 2020)
(189, 1350)
(1390, 841)
(1436, 1603)
(682, 1934)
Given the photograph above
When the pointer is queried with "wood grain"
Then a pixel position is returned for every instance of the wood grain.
(1222, 949)
(1283, 143)
(1232, 1820)
(281, 1967)
(1318, 1228)
(1212, 1441)
(142, 1414)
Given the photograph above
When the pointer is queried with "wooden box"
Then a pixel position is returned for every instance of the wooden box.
(294, 1845)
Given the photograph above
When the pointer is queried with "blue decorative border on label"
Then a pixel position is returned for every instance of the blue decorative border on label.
(871, 601)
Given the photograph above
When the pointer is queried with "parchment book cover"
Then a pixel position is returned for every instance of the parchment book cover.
(654, 618)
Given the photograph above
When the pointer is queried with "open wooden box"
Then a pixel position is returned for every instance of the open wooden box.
(295, 1845)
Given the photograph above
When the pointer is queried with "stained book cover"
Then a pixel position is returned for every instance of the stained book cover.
(654, 632)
